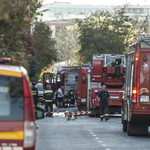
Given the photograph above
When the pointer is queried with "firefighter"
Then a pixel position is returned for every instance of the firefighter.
(34, 93)
(66, 99)
(48, 97)
(71, 96)
(103, 103)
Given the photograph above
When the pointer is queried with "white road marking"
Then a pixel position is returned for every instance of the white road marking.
(91, 132)
(100, 141)
(129, 140)
(96, 138)
(94, 135)
(107, 149)
(104, 145)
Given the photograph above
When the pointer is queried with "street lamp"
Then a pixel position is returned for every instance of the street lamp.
(34, 15)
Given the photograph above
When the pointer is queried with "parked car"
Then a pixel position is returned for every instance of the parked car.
(17, 112)
(39, 86)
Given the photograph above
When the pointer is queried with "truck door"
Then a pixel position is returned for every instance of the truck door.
(48, 79)
(84, 87)
(144, 82)
(71, 79)
(60, 80)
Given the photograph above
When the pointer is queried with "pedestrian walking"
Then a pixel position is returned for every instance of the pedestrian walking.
(48, 97)
(103, 97)
(34, 93)
(60, 97)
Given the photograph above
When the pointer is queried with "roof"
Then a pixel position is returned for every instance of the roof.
(15, 71)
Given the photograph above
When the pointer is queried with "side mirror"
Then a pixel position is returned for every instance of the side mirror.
(84, 79)
(39, 113)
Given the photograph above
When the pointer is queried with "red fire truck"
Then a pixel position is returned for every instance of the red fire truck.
(136, 104)
(108, 70)
(88, 80)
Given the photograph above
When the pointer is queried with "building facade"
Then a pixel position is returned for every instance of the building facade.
(64, 14)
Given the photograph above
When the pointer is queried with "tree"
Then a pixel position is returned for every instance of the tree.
(108, 32)
(67, 45)
(34, 5)
(44, 45)
(14, 22)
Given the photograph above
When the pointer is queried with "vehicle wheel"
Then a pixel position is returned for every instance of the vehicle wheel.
(124, 126)
(130, 128)
(137, 128)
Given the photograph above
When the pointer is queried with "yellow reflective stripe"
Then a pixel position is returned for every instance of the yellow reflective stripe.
(33, 92)
(48, 92)
(48, 100)
(51, 112)
(12, 135)
(101, 116)
(10, 73)
(106, 114)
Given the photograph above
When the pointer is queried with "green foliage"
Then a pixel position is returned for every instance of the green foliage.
(34, 5)
(14, 22)
(33, 66)
(67, 45)
(45, 46)
(107, 32)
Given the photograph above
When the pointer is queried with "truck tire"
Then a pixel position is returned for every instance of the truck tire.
(124, 126)
(131, 129)
(137, 128)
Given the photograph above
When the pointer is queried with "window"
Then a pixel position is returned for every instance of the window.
(39, 87)
(11, 99)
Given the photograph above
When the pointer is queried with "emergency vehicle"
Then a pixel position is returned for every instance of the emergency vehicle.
(88, 80)
(109, 70)
(136, 103)
(17, 116)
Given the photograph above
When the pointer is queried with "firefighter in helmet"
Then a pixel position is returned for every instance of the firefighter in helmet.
(48, 97)
(103, 103)
(34, 93)
(71, 96)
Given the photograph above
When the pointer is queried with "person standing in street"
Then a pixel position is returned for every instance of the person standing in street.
(71, 96)
(34, 93)
(103, 97)
(48, 97)
(60, 97)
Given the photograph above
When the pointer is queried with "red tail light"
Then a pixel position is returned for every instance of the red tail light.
(134, 95)
(28, 102)
(93, 102)
(78, 91)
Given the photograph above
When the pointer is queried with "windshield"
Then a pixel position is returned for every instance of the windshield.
(11, 99)
(39, 87)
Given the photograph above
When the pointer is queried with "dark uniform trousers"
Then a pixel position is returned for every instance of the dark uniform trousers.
(49, 100)
(104, 110)
(103, 105)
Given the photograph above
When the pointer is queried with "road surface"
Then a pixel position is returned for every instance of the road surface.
(86, 133)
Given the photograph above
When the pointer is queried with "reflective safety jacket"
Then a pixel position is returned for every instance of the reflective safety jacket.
(48, 96)
(71, 96)
(35, 93)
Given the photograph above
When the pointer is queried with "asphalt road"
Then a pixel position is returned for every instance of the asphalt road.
(86, 133)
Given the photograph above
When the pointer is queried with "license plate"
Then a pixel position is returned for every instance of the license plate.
(83, 100)
(144, 98)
